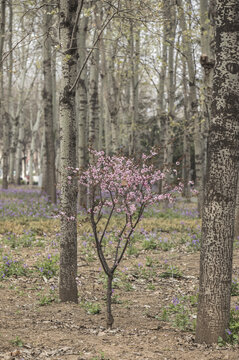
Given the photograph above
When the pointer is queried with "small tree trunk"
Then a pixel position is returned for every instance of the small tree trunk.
(110, 319)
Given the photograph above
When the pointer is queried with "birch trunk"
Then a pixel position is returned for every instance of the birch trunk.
(68, 250)
(221, 183)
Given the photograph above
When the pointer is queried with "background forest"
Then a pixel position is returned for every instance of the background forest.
(138, 84)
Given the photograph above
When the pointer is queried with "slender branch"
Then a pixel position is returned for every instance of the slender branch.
(128, 238)
(119, 241)
(108, 220)
(89, 54)
(14, 47)
(98, 244)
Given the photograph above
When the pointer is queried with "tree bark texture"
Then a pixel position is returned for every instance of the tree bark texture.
(68, 251)
(50, 184)
(221, 182)
(94, 111)
(81, 105)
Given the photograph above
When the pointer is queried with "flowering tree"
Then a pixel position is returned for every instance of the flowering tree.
(118, 185)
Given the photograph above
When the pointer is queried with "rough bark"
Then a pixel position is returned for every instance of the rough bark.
(221, 183)
(68, 251)
(207, 62)
(50, 184)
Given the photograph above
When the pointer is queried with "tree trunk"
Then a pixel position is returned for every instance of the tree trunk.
(221, 182)
(207, 62)
(94, 111)
(192, 101)
(162, 116)
(186, 166)
(81, 105)
(171, 82)
(4, 119)
(34, 129)
(134, 43)
(50, 184)
(19, 152)
(68, 252)
(110, 319)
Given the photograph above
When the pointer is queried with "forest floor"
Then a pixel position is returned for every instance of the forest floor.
(155, 289)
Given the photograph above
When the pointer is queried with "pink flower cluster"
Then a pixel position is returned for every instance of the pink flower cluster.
(123, 184)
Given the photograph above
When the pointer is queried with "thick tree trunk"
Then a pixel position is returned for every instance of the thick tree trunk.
(49, 185)
(221, 182)
(68, 252)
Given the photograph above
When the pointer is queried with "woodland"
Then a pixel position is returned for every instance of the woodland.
(119, 206)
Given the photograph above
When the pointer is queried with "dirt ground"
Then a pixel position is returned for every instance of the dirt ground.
(29, 330)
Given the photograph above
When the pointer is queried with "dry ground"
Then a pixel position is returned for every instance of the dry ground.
(29, 330)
